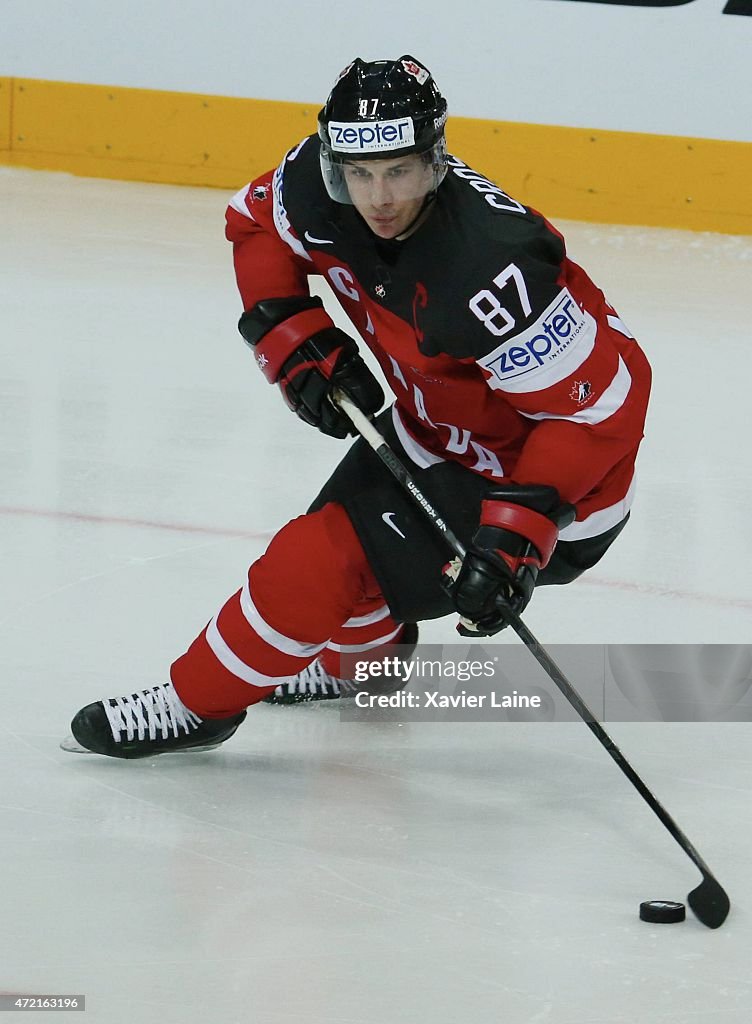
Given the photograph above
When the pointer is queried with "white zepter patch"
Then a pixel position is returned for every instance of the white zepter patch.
(555, 346)
(371, 136)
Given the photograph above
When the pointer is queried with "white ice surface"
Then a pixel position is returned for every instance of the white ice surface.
(312, 870)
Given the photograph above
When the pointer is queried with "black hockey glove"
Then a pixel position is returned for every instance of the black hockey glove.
(324, 362)
(298, 347)
(519, 527)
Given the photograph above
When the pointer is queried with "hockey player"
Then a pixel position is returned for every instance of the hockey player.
(519, 404)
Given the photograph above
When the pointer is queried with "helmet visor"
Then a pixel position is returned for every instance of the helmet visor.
(389, 177)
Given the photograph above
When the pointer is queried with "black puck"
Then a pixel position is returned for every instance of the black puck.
(662, 911)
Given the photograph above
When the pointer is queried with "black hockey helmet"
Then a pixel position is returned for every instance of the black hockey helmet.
(378, 110)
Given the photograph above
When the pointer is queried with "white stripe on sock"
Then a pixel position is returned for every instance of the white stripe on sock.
(227, 658)
(282, 643)
(356, 648)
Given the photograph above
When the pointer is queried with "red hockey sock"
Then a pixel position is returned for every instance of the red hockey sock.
(368, 636)
(310, 593)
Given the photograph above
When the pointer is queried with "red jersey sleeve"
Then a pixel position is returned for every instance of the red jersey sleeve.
(579, 377)
(267, 264)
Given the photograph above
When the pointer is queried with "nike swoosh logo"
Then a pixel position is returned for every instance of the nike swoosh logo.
(318, 241)
(387, 519)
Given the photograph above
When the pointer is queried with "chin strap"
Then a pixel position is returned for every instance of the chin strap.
(428, 199)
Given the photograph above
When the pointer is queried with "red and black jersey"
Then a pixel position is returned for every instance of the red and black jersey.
(501, 352)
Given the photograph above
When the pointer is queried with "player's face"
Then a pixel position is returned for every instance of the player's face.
(388, 194)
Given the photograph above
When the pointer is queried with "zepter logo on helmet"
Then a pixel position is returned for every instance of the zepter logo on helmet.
(384, 110)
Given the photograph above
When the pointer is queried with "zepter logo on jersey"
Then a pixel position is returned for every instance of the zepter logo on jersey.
(554, 347)
(371, 136)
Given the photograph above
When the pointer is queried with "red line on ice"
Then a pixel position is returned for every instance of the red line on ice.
(226, 531)
(88, 517)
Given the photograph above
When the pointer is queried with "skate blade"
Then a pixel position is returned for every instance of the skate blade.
(72, 746)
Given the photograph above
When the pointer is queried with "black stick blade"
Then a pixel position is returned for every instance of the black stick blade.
(709, 902)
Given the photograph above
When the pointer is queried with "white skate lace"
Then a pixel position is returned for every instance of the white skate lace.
(154, 711)
(314, 680)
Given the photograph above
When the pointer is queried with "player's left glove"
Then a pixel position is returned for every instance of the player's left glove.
(519, 527)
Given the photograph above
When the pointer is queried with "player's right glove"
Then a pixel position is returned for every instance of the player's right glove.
(297, 346)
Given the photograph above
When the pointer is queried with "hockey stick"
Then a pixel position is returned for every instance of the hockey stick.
(708, 901)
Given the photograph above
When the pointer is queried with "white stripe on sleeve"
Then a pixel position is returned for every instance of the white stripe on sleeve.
(238, 203)
(598, 522)
(611, 401)
(618, 325)
(281, 220)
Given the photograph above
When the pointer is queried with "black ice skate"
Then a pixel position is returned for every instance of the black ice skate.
(315, 683)
(143, 724)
